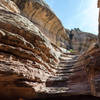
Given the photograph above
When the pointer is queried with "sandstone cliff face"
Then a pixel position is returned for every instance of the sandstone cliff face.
(40, 14)
(80, 41)
(91, 62)
(31, 63)
(27, 57)
(9, 5)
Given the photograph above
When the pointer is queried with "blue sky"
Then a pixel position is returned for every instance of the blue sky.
(81, 14)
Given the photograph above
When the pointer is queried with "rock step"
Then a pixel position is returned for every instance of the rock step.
(57, 78)
(65, 68)
(57, 82)
(63, 74)
(66, 71)
(65, 65)
(56, 90)
(68, 61)
(64, 55)
(65, 58)
(69, 54)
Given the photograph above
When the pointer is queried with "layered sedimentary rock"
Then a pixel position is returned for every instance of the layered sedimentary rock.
(27, 57)
(80, 41)
(90, 60)
(41, 15)
(31, 63)
(9, 5)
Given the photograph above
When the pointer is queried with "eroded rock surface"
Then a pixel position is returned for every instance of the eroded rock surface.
(80, 41)
(27, 57)
(90, 61)
(40, 14)
(32, 65)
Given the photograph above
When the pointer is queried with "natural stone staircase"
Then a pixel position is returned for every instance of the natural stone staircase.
(58, 83)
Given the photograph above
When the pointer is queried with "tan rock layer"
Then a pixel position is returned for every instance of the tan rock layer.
(28, 60)
(27, 57)
(91, 63)
(80, 41)
(9, 5)
(45, 19)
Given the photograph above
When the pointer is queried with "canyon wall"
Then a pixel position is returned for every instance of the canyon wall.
(27, 57)
(32, 63)
(80, 41)
(43, 17)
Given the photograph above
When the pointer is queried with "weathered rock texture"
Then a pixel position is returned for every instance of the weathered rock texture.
(27, 57)
(80, 41)
(91, 62)
(40, 14)
(9, 5)
(31, 63)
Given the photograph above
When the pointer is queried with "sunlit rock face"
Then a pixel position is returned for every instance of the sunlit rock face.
(43, 17)
(91, 62)
(80, 41)
(27, 57)
(9, 5)
(32, 62)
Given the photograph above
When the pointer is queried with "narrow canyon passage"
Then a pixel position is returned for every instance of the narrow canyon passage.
(70, 78)
(64, 85)
(38, 55)
(65, 69)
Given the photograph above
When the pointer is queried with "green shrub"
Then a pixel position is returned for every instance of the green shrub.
(71, 50)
